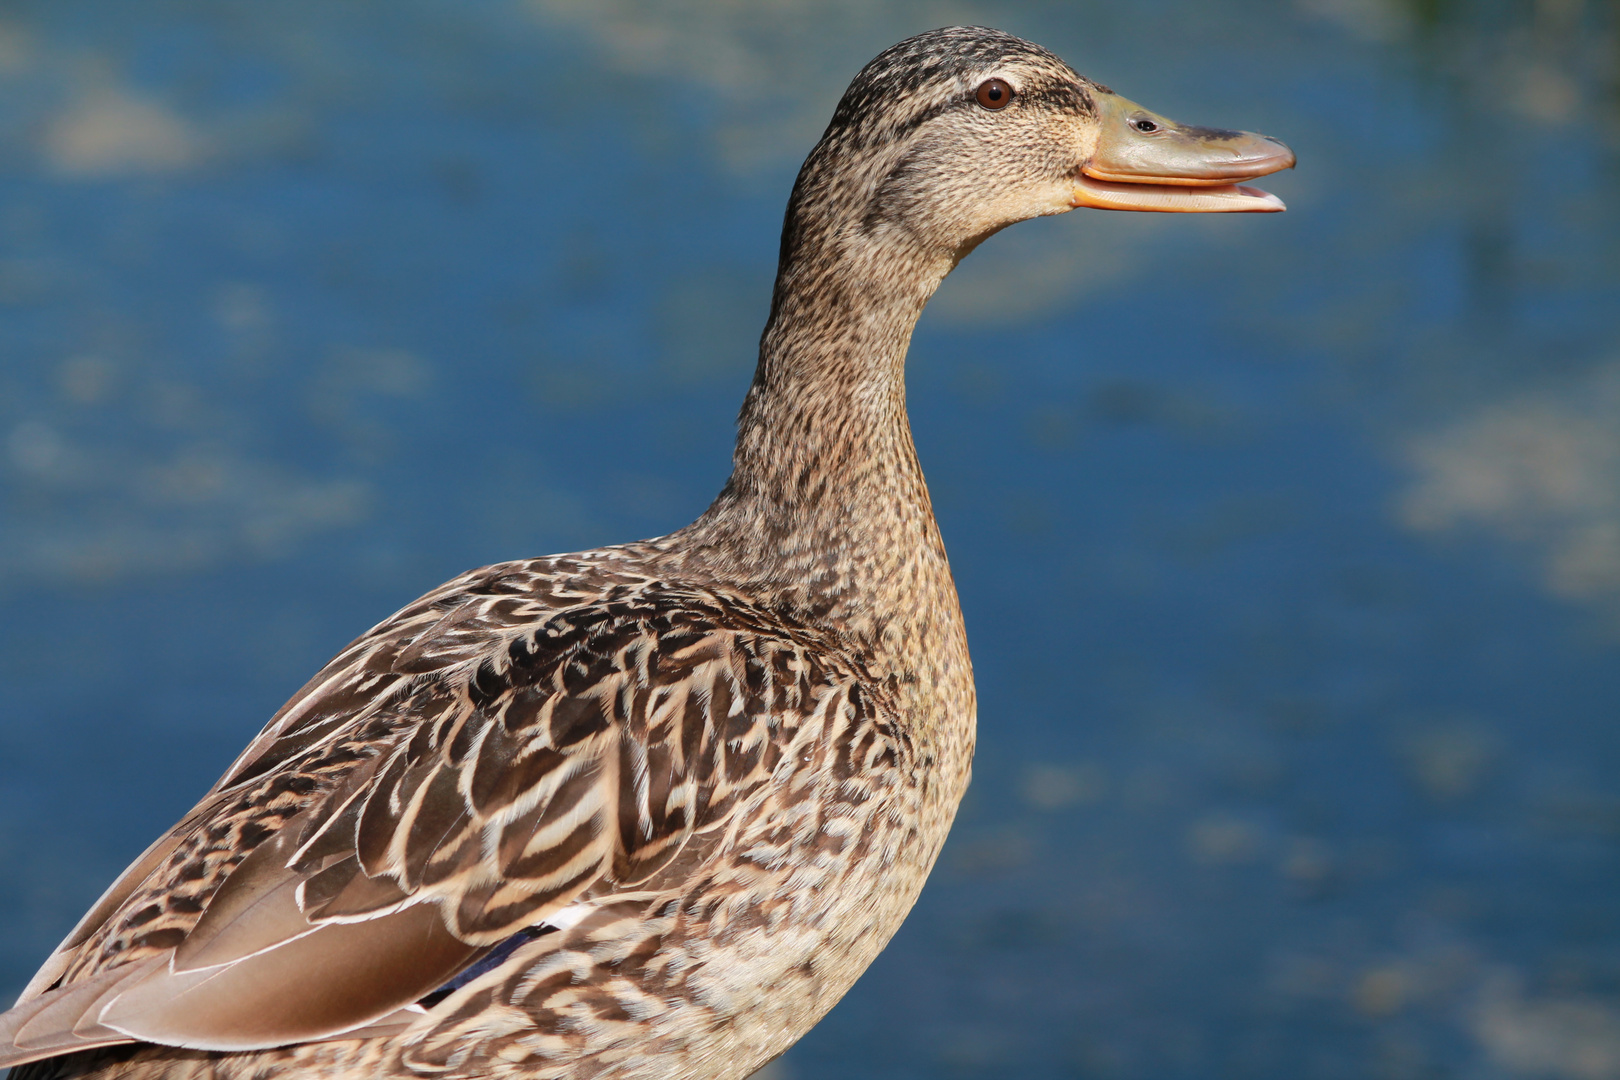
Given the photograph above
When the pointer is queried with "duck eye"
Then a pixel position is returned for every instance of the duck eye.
(1146, 127)
(994, 94)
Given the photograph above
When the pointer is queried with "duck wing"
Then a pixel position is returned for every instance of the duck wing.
(516, 742)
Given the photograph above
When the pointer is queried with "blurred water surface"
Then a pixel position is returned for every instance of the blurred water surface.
(1289, 547)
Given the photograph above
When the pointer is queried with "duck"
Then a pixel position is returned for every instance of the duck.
(645, 811)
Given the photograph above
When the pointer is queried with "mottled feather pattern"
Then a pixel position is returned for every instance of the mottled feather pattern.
(701, 771)
(638, 813)
(580, 757)
(167, 904)
(574, 749)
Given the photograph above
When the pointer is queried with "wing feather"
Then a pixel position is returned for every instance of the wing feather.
(336, 978)
(478, 763)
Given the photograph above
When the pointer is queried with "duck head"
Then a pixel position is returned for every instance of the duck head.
(954, 134)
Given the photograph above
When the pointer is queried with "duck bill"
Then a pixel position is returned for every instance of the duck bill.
(1146, 162)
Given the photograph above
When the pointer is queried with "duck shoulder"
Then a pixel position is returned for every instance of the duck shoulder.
(527, 737)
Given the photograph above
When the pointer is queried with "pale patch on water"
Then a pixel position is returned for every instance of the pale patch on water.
(202, 507)
(128, 474)
(14, 49)
(1542, 469)
(1055, 787)
(1449, 761)
(1369, 20)
(113, 131)
(1023, 272)
(795, 55)
(1222, 839)
(1561, 1038)
(1549, 94)
(735, 50)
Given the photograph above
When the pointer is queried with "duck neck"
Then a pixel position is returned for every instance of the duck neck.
(826, 512)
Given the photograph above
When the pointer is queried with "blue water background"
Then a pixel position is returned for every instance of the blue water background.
(1289, 546)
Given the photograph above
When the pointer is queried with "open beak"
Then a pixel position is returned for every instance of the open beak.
(1145, 162)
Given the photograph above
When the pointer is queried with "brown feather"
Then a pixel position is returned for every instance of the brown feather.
(338, 977)
(652, 808)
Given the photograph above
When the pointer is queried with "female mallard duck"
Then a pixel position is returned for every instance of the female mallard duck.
(645, 811)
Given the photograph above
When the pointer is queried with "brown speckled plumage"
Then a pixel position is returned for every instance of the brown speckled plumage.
(640, 812)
